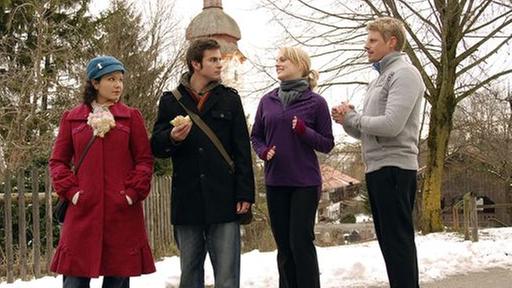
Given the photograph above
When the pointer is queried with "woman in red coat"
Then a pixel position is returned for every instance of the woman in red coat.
(103, 231)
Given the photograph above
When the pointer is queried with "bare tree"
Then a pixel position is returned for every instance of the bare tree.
(44, 47)
(151, 50)
(37, 52)
(455, 44)
(483, 125)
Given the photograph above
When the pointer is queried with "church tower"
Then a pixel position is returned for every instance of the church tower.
(212, 22)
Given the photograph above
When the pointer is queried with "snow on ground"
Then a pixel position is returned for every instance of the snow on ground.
(440, 255)
(363, 218)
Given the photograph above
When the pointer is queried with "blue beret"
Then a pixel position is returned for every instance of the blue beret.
(101, 65)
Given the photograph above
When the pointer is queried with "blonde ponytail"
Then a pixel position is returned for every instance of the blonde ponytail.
(312, 77)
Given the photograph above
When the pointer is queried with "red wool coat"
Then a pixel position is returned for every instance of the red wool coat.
(102, 234)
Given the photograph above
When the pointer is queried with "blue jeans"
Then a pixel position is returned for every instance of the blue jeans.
(221, 241)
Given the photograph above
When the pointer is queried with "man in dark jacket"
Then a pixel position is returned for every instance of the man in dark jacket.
(207, 195)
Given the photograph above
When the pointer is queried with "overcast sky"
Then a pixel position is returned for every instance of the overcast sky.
(254, 23)
(258, 34)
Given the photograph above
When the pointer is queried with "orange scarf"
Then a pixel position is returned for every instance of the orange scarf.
(200, 100)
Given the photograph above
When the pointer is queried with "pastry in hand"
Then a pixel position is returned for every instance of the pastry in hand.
(180, 120)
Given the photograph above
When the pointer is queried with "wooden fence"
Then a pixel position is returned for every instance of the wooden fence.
(469, 210)
(28, 233)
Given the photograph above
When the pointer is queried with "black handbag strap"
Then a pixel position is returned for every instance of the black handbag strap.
(82, 156)
(206, 129)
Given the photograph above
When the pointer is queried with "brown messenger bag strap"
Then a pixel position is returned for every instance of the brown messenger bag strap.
(206, 129)
(82, 157)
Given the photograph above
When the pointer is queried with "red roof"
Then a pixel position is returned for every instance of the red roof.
(333, 178)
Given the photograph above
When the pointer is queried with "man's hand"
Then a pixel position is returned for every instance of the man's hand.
(242, 207)
(179, 133)
(338, 112)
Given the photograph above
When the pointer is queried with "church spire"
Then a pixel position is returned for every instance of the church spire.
(212, 4)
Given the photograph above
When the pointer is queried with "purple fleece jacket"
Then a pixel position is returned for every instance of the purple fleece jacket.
(295, 162)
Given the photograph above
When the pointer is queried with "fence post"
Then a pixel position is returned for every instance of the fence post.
(467, 200)
(474, 220)
(158, 224)
(455, 218)
(48, 213)
(22, 226)
(8, 229)
(153, 218)
(35, 220)
(168, 226)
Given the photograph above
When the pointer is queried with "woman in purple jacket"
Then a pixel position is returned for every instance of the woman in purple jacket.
(291, 123)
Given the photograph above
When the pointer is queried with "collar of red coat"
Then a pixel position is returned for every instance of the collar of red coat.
(81, 112)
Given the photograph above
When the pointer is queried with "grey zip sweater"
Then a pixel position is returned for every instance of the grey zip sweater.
(389, 124)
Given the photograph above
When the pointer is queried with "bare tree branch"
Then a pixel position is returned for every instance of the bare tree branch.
(476, 15)
(482, 84)
(423, 19)
(475, 47)
(484, 57)
(418, 42)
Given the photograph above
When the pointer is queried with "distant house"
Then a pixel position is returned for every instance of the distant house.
(336, 187)
(466, 171)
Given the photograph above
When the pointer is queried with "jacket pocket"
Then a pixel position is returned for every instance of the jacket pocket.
(120, 134)
(122, 127)
(122, 201)
(80, 133)
(221, 114)
(84, 202)
(78, 128)
(373, 150)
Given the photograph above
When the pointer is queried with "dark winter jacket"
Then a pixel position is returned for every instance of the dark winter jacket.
(204, 190)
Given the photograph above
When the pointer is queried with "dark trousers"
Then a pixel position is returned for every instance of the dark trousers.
(392, 192)
(292, 218)
(83, 282)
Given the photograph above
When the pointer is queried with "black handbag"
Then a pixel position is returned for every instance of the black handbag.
(59, 211)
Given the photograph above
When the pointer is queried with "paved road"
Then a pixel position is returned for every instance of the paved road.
(492, 278)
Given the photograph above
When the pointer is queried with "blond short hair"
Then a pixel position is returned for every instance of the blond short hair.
(300, 58)
(389, 27)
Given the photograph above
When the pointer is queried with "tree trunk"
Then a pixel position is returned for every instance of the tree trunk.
(508, 189)
(443, 103)
(439, 133)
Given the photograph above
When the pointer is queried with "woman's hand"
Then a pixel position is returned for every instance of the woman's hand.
(271, 153)
(74, 200)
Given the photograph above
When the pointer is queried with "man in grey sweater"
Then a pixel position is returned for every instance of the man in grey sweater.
(388, 128)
